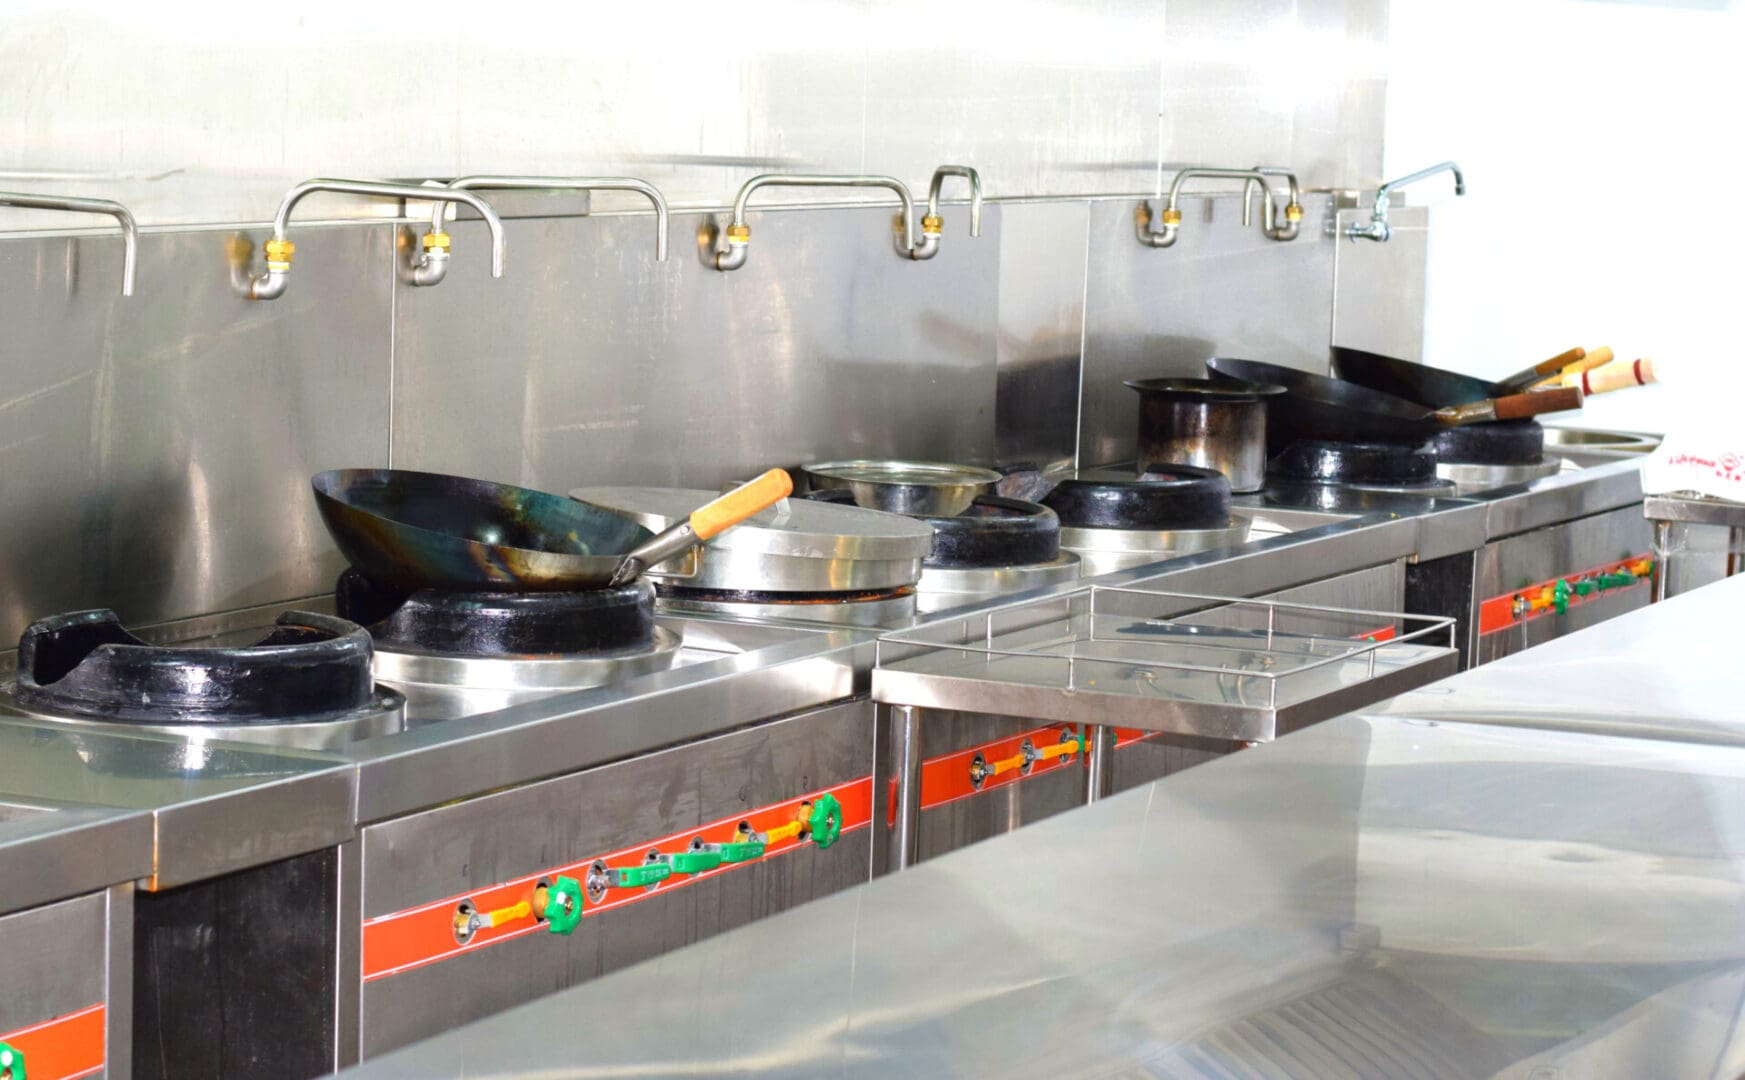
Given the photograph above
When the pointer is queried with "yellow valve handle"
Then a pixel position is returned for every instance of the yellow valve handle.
(1004, 765)
(782, 832)
(1060, 749)
(734, 507)
(506, 915)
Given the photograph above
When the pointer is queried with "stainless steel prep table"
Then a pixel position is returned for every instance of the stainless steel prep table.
(1375, 896)
(1671, 670)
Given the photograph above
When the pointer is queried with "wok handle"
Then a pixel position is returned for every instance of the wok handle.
(708, 520)
(1521, 406)
(1571, 375)
(1616, 376)
(1520, 380)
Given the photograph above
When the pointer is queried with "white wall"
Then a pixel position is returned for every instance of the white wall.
(1602, 147)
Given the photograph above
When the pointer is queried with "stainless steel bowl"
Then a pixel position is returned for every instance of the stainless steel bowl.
(928, 488)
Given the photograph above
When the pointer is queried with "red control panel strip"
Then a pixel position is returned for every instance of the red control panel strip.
(68, 1046)
(424, 935)
(1559, 594)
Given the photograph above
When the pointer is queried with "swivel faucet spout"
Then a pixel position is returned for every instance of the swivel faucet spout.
(1378, 228)
(129, 231)
(739, 233)
(271, 284)
(568, 183)
(1172, 218)
(975, 196)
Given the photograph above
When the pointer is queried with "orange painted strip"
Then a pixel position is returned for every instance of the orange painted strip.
(1498, 612)
(69, 1046)
(423, 935)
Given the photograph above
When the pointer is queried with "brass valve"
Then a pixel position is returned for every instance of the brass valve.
(739, 234)
(436, 240)
(1172, 216)
(933, 225)
(1293, 212)
(279, 252)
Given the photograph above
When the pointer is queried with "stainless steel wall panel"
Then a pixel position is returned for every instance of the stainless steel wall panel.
(1221, 290)
(599, 365)
(1041, 330)
(170, 110)
(156, 450)
(1378, 289)
(479, 843)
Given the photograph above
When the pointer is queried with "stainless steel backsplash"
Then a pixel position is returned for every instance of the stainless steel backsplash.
(155, 451)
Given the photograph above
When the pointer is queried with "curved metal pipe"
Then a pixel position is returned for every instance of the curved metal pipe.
(129, 230)
(739, 233)
(271, 284)
(568, 183)
(1293, 209)
(1166, 236)
(1378, 228)
(975, 194)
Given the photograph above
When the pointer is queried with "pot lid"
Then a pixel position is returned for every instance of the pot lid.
(795, 528)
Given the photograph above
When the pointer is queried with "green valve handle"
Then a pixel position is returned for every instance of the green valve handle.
(1586, 587)
(563, 905)
(1560, 596)
(630, 877)
(742, 851)
(697, 860)
(825, 821)
(11, 1063)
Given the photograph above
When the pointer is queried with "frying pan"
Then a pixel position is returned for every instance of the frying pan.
(418, 530)
(1316, 407)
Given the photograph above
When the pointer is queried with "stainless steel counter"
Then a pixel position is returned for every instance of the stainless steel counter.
(1373, 896)
(1670, 670)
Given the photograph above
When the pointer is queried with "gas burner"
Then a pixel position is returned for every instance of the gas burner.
(306, 684)
(1115, 520)
(1165, 497)
(845, 608)
(1354, 477)
(1372, 465)
(460, 653)
(1500, 442)
(996, 546)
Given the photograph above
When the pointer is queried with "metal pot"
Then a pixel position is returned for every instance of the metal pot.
(1215, 424)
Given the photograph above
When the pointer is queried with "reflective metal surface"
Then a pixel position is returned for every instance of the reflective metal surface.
(174, 130)
(1370, 897)
(1378, 289)
(385, 715)
(1223, 291)
(158, 449)
(1104, 551)
(819, 348)
(207, 800)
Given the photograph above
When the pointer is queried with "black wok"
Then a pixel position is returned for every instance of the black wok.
(1316, 407)
(417, 530)
(1418, 383)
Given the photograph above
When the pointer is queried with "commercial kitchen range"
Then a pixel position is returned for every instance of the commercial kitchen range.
(1526, 870)
(495, 829)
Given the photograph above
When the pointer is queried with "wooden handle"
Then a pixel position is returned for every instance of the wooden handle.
(1560, 361)
(743, 501)
(1521, 406)
(1571, 374)
(1616, 376)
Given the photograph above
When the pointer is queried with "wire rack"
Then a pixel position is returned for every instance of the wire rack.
(1164, 660)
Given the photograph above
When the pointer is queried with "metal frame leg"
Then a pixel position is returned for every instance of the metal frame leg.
(1099, 763)
(1662, 561)
(906, 742)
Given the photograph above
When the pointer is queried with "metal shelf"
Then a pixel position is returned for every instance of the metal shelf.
(1211, 666)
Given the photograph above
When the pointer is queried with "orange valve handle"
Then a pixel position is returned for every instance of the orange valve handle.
(711, 519)
(1066, 747)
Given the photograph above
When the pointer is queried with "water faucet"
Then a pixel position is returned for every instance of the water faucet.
(1378, 228)
(739, 233)
(1251, 178)
(933, 221)
(432, 266)
(129, 231)
(271, 284)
